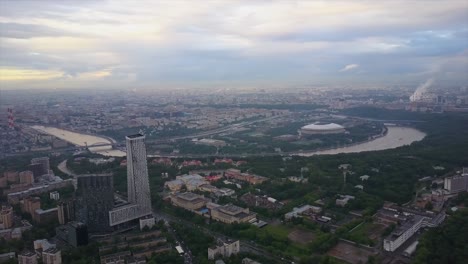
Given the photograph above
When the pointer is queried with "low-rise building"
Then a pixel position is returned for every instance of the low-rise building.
(174, 185)
(147, 221)
(261, 201)
(189, 201)
(344, 199)
(224, 192)
(232, 214)
(116, 258)
(246, 177)
(224, 249)
(9, 256)
(305, 210)
(55, 195)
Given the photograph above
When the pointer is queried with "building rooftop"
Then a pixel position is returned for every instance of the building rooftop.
(135, 136)
(188, 196)
(231, 209)
(404, 227)
(318, 126)
(52, 250)
(28, 254)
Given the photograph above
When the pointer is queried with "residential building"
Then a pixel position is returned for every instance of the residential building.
(6, 216)
(232, 214)
(11, 176)
(408, 228)
(74, 233)
(26, 177)
(66, 211)
(94, 201)
(40, 166)
(52, 256)
(457, 183)
(30, 205)
(27, 257)
(57, 183)
(224, 249)
(41, 245)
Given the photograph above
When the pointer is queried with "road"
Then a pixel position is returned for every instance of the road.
(63, 168)
(215, 131)
(188, 258)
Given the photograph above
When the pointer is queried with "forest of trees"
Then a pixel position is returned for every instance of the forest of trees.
(445, 244)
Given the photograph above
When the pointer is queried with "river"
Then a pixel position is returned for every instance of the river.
(82, 140)
(395, 137)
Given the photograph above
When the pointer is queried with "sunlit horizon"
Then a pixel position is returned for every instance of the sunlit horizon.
(234, 44)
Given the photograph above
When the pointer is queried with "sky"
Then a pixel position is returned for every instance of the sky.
(167, 44)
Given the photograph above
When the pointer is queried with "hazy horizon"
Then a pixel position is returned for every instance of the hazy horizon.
(230, 44)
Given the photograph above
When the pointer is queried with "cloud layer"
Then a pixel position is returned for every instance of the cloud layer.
(84, 44)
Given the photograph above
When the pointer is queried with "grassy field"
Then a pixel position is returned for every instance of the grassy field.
(367, 233)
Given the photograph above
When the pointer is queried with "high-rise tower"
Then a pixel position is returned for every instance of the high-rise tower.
(137, 173)
(138, 190)
(95, 199)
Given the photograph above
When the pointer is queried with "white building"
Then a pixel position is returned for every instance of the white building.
(409, 228)
(457, 183)
(224, 249)
(148, 221)
(305, 209)
(54, 195)
(224, 192)
(344, 199)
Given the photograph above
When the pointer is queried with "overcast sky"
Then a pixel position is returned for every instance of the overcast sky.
(163, 44)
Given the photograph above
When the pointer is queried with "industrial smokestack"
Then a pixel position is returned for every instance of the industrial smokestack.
(421, 90)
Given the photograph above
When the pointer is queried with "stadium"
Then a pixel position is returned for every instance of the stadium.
(321, 129)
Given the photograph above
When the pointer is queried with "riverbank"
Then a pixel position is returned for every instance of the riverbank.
(393, 138)
(82, 140)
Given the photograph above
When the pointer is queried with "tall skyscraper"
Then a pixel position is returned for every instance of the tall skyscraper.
(137, 173)
(94, 201)
(138, 190)
(40, 166)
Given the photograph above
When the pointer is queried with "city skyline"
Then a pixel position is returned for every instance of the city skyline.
(230, 44)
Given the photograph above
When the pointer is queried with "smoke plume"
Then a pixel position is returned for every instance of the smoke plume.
(421, 90)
